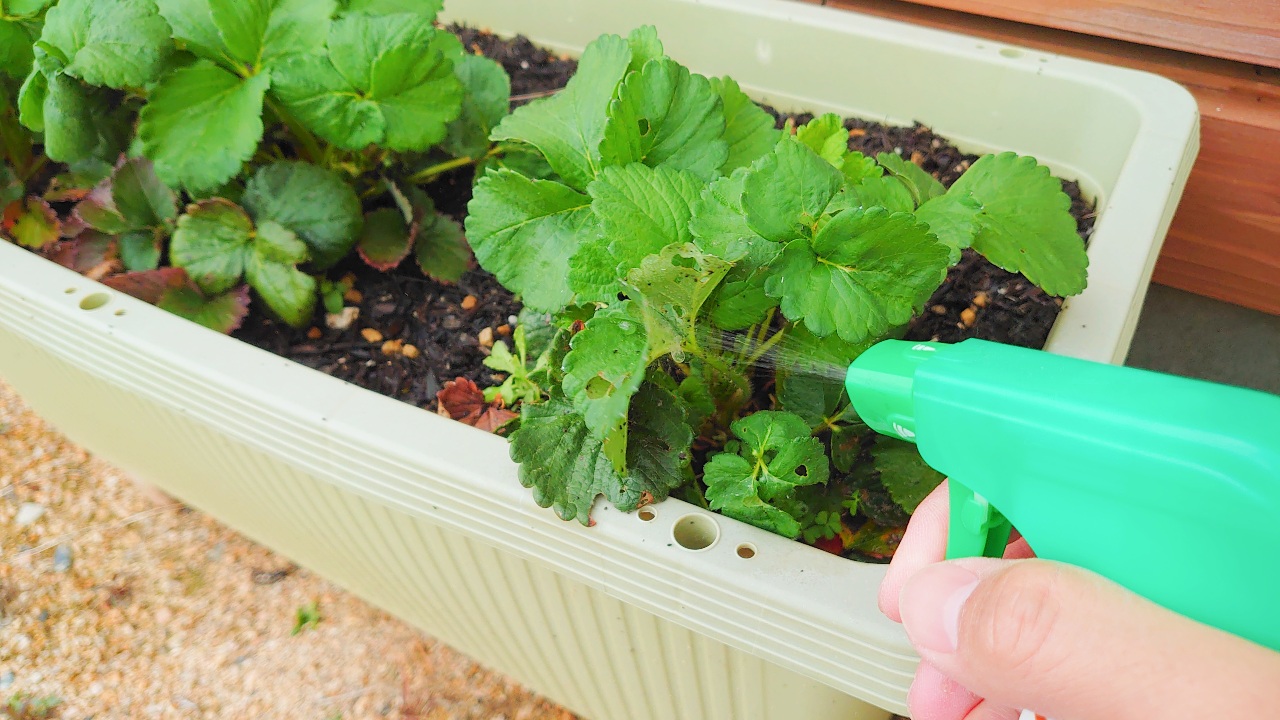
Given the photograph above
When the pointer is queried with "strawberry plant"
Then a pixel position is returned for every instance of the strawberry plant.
(251, 145)
(710, 277)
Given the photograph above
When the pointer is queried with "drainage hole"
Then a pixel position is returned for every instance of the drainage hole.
(696, 531)
(646, 514)
(94, 301)
(746, 551)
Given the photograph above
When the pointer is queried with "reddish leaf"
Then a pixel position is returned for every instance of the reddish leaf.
(385, 239)
(86, 253)
(32, 223)
(149, 285)
(462, 400)
(222, 313)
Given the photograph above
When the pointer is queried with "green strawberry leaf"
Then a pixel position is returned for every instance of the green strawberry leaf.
(16, 58)
(953, 218)
(386, 80)
(271, 269)
(749, 130)
(211, 243)
(426, 8)
(665, 116)
(313, 202)
(441, 249)
(524, 232)
(31, 223)
(1025, 224)
(142, 199)
(776, 456)
(567, 127)
(643, 209)
(222, 313)
(605, 367)
(670, 288)
(886, 192)
(904, 473)
(385, 239)
(826, 136)
(567, 468)
(922, 186)
(206, 102)
(786, 191)
(117, 43)
(865, 272)
(140, 250)
(645, 46)
(486, 100)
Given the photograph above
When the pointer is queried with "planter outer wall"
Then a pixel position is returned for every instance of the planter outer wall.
(425, 518)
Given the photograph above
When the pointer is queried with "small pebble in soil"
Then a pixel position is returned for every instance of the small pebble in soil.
(62, 558)
(28, 513)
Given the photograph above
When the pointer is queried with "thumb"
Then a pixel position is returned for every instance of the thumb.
(1074, 646)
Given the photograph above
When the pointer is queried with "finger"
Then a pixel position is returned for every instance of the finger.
(1070, 644)
(935, 696)
(925, 542)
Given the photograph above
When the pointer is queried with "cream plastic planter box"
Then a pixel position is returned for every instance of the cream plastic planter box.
(425, 517)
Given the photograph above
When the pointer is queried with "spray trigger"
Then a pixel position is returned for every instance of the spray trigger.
(976, 528)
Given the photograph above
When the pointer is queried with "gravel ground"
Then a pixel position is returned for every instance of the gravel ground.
(163, 612)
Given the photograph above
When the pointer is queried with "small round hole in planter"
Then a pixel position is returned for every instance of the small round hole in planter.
(696, 531)
(94, 301)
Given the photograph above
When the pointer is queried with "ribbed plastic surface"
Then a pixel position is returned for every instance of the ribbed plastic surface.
(425, 517)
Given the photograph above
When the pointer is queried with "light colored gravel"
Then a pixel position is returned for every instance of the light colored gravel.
(164, 614)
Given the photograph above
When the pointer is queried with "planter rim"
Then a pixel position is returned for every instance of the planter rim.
(784, 604)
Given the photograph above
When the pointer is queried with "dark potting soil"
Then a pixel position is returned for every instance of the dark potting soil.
(452, 326)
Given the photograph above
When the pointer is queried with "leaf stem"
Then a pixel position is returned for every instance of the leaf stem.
(308, 145)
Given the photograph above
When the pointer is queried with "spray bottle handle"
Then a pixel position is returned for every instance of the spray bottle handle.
(976, 529)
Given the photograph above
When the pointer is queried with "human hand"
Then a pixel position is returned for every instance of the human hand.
(997, 635)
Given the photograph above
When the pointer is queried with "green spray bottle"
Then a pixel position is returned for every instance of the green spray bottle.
(1166, 485)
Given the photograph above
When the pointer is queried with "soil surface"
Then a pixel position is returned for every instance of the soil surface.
(453, 335)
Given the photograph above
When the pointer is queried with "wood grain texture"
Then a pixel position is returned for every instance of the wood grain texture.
(1243, 30)
(1225, 239)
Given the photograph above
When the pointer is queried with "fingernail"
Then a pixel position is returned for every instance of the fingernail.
(930, 605)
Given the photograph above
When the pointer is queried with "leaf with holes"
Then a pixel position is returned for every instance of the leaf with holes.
(31, 222)
(314, 203)
(605, 367)
(222, 313)
(904, 473)
(865, 272)
(785, 192)
(670, 288)
(666, 116)
(1025, 224)
(777, 455)
(567, 468)
(567, 127)
(524, 232)
(386, 80)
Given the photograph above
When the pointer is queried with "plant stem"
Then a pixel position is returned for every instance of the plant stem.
(309, 147)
